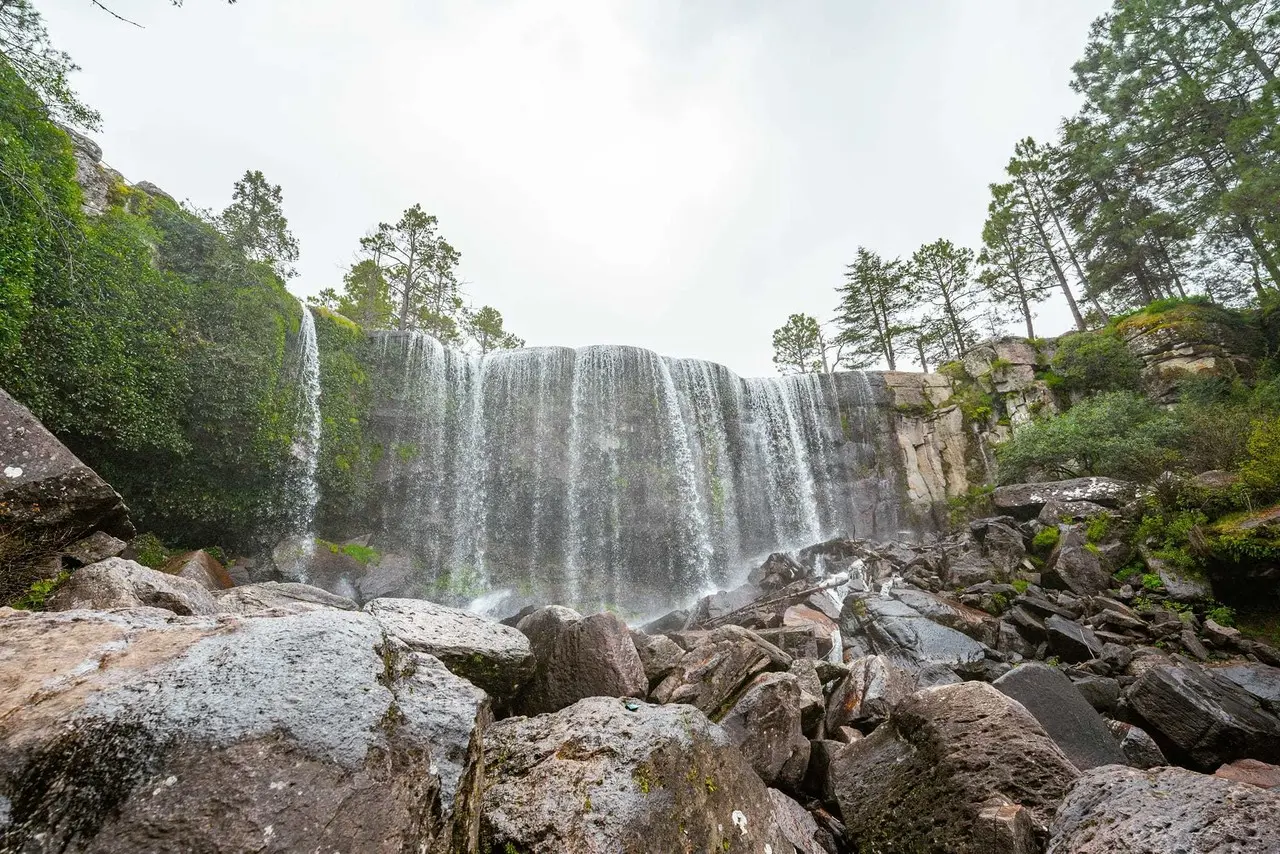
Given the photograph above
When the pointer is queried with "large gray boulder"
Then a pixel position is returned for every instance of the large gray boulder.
(865, 697)
(1064, 713)
(1115, 810)
(1025, 500)
(874, 625)
(1260, 681)
(578, 657)
(119, 583)
(614, 776)
(765, 724)
(486, 653)
(1202, 721)
(279, 596)
(1076, 567)
(143, 732)
(48, 499)
(923, 779)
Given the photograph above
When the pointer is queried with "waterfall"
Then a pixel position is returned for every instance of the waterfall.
(306, 446)
(612, 476)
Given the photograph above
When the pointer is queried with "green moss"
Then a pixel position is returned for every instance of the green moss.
(1098, 527)
(150, 551)
(1020, 585)
(1152, 581)
(1045, 541)
(38, 594)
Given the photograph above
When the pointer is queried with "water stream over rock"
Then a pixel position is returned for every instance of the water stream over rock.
(306, 447)
(614, 476)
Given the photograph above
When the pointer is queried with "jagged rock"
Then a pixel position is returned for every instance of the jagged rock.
(1113, 809)
(486, 653)
(935, 675)
(765, 724)
(659, 655)
(796, 824)
(304, 559)
(1076, 567)
(134, 731)
(1100, 692)
(813, 707)
(1180, 585)
(579, 657)
(611, 776)
(152, 190)
(888, 627)
(96, 547)
(200, 567)
(673, 621)
(922, 780)
(1070, 640)
(1261, 681)
(1055, 512)
(1221, 637)
(725, 602)
(119, 583)
(1261, 774)
(391, 577)
(1063, 712)
(286, 596)
(1139, 748)
(778, 570)
(716, 666)
(868, 694)
(977, 624)
(1024, 500)
(48, 499)
(1204, 720)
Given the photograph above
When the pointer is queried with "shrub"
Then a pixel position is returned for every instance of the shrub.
(1120, 434)
(1020, 585)
(1261, 470)
(1222, 615)
(1096, 361)
(1046, 540)
(1152, 581)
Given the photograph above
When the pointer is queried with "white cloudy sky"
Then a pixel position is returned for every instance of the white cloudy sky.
(671, 174)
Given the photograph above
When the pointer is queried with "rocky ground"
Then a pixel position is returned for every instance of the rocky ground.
(952, 695)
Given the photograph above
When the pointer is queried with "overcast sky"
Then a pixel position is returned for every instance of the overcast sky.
(671, 174)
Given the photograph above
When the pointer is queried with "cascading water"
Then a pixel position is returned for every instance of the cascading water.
(611, 476)
(306, 447)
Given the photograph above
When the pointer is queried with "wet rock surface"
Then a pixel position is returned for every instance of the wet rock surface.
(119, 583)
(1064, 713)
(579, 657)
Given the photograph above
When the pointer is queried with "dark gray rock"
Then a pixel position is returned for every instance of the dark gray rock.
(1064, 713)
(1071, 641)
(391, 576)
(579, 657)
(1002, 543)
(659, 655)
(489, 655)
(274, 595)
(877, 626)
(765, 724)
(922, 780)
(48, 498)
(796, 824)
(610, 776)
(1140, 749)
(1261, 681)
(1025, 500)
(144, 732)
(1076, 567)
(96, 547)
(1101, 692)
(119, 583)
(1115, 810)
(868, 694)
(1205, 722)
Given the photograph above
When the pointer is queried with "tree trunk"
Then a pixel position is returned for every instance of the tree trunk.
(1052, 256)
(1246, 44)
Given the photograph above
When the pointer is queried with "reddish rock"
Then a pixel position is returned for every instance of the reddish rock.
(202, 568)
(1251, 771)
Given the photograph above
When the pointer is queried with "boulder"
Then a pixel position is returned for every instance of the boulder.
(1003, 544)
(119, 583)
(797, 825)
(579, 657)
(201, 567)
(1076, 567)
(659, 655)
(1261, 774)
(716, 667)
(1204, 722)
(1024, 500)
(391, 577)
(868, 694)
(136, 731)
(922, 780)
(878, 626)
(487, 654)
(622, 777)
(1260, 681)
(1112, 809)
(1070, 640)
(48, 500)
(1064, 713)
(1100, 692)
(1140, 749)
(765, 724)
(284, 596)
(96, 547)
(1180, 585)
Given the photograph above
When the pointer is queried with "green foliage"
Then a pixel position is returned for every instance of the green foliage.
(1118, 433)
(1046, 540)
(28, 53)
(1261, 470)
(972, 504)
(1152, 581)
(150, 551)
(1130, 571)
(870, 318)
(799, 347)
(36, 597)
(1222, 615)
(255, 226)
(485, 327)
(1020, 585)
(1094, 362)
(1098, 527)
(362, 554)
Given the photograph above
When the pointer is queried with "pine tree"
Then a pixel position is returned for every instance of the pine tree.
(869, 319)
(254, 224)
(485, 328)
(420, 270)
(799, 346)
(1014, 272)
(942, 274)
